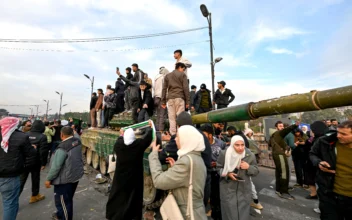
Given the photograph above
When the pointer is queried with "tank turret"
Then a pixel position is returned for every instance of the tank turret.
(310, 101)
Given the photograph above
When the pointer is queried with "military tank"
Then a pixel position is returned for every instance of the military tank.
(98, 143)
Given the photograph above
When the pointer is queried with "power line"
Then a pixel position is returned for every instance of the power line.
(21, 105)
(100, 50)
(99, 39)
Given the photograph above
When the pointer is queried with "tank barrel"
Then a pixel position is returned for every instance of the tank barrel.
(311, 101)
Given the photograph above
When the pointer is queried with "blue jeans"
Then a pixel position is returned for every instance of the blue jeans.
(10, 192)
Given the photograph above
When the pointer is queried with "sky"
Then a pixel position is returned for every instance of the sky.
(269, 48)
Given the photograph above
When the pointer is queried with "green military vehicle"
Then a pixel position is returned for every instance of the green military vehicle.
(98, 143)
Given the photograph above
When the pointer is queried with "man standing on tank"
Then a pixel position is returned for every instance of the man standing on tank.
(223, 96)
(129, 76)
(134, 89)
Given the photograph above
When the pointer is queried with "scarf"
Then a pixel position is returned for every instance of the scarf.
(8, 126)
(232, 158)
(129, 137)
(190, 140)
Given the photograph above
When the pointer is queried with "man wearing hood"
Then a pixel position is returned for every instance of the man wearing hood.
(202, 100)
(14, 151)
(120, 95)
(158, 88)
(39, 140)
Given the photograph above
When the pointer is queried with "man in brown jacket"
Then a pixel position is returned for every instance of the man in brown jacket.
(176, 87)
(99, 107)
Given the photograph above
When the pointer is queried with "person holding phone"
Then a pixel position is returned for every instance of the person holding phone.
(237, 164)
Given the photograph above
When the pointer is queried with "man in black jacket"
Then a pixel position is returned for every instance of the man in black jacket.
(332, 154)
(93, 113)
(202, 100)
(129, 76)
(11, 166)
(38, 139)
(120, 95)
(222, 95)
(145, 102)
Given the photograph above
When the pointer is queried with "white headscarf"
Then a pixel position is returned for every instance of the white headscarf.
(128, 136)
(190, 139)
(247, 131)
(232, 158)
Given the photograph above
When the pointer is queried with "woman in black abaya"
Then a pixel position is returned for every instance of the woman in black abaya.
(126, 196)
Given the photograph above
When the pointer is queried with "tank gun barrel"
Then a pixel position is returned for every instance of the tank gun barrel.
(310, 101)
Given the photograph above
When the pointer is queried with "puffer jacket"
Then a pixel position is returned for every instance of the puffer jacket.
(177, 179)
(198, 98)
(110, 100)
(20, 149)
(49, 132)
(36, 137)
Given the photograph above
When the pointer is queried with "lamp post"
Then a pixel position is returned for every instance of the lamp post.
(91, 81)
(31, 111)
(60, 94)
(207, 15)
(47, 107)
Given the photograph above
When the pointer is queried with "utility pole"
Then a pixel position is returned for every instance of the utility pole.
(47, 108)
(37, 110)
(60, 94)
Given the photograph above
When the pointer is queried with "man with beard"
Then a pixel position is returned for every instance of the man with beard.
(332, 154)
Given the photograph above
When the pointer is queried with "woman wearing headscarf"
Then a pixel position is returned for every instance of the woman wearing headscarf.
(190, 142)
(126, 195)
(318, 129)
(237, 165)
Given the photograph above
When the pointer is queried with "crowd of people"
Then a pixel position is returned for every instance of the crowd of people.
(166, 96)
(27, 148)
(214, 161)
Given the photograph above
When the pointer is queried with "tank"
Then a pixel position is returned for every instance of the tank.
(98, 143)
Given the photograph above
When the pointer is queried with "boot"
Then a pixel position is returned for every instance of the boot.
(36, 198)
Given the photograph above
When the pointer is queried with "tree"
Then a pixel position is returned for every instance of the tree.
(310, 117)
(348, 114)
(3, 112)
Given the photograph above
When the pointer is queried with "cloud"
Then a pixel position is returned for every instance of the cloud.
(275, 50)
(262, 32)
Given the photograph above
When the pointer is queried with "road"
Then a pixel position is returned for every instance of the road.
(90, 200)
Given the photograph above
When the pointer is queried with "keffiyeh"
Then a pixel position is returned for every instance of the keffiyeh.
(8, 126)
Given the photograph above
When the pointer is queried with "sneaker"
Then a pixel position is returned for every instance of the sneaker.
(278, 193)
(317, 210)
(257, 205)
(36, 198)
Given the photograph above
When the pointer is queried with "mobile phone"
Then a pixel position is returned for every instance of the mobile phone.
(117, 69)
(239, 179)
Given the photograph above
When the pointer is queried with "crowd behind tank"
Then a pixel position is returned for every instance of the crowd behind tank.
(224, 158)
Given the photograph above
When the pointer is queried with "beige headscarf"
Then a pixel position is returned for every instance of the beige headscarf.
(232, 158)
(190, 139)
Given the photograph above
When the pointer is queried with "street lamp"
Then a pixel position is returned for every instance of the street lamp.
(47, 107)
(64, 105)
(207, 15)
(217, 60)
(91, 80)
(31, 111)
(60, 94)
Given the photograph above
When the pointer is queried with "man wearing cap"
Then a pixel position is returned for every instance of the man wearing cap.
(180, 59)
(202, 100)
(176, 94)
(222, 95)
(134, 88)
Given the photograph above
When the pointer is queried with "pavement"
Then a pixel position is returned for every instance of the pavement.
(90, 200)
